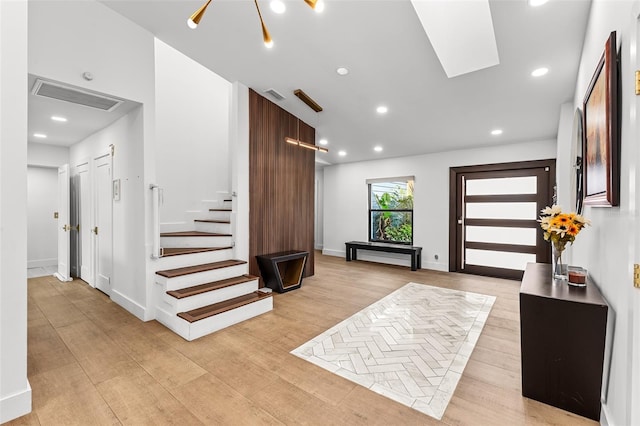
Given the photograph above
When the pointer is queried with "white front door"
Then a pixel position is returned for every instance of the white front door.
(64, 266)
(102, 229)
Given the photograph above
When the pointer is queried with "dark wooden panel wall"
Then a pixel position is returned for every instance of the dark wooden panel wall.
(281, 183)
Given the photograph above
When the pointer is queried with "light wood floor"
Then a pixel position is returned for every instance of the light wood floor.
(90, 362)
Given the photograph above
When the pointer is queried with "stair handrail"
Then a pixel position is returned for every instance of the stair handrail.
(156, 250)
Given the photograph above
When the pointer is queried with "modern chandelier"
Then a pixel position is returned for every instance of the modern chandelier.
(194, 20)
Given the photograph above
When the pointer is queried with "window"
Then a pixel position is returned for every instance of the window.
(391, 210)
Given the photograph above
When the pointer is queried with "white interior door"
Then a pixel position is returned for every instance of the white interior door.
(64, 266)
(85, 222)
(102, 229)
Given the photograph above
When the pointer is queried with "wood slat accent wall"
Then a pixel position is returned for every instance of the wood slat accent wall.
(281, 183)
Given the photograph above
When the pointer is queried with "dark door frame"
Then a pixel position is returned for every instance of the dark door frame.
(455, 203)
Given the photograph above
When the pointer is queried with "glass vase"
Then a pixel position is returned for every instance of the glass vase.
(559, 270)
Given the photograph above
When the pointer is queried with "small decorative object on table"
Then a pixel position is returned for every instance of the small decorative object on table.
(560, 228)
(577, 276)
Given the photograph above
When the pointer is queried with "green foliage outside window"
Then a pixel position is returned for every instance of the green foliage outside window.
(392, 212)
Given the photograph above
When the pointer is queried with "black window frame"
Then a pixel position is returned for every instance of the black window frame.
(372, 210)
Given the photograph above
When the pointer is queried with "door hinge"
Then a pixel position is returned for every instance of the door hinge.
(637, 82)
(95, 230)
(55, 215)
(113, 150)
(636, 275)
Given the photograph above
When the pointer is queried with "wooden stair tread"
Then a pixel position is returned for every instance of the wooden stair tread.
(193, 234)
(172, 273)
(212, 221)
(220, 210)
(215, 285)
(218, 308)
(176, 251)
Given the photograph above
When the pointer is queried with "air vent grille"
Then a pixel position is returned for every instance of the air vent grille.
(274, 94)
(76, 96)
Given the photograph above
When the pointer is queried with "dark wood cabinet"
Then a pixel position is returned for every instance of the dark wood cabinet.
(282, 271)
(562, 335)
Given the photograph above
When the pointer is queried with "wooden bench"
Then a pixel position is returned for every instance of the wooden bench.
(415, 252)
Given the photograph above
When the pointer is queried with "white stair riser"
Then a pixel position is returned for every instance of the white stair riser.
(214, 227)
(172, 322)
(218, 322)
(176, 226)
(191, 331)
(181, 242)
(182, 260)
(218, 215)
(175, 306)
(189, 280)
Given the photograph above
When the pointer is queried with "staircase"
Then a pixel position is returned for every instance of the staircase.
(200, 288)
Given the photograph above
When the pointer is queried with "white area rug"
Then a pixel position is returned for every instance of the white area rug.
(410, 346)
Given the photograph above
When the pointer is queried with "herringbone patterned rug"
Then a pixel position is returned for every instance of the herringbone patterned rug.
(410, 346)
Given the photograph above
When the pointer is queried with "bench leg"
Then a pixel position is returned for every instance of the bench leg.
(348, 254)
(354, 254)
(414, 261)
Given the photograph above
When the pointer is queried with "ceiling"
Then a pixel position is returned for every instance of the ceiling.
(391, 62)
(82, 121)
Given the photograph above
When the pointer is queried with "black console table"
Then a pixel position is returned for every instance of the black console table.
(415, 252)
(562, 336)
(283, 271)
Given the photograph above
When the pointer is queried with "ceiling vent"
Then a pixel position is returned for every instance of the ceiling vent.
(61, 92)
(274, 94)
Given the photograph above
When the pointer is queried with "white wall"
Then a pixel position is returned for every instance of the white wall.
(192, 113)
(126, 135)
(42, 155)
(239, 156)
(608, 248)
(15, 392)
(565, 176)
(69, 38)
(346, 205)
(42, 228)
(319, 210)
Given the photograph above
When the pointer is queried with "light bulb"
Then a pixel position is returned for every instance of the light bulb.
(191, 24)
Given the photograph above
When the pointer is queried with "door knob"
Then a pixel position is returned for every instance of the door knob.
(95, 230)
(65, 228)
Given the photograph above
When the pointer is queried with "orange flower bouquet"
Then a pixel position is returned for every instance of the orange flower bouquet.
(560, 228)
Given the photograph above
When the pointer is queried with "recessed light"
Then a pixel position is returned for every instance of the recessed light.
(536, 3)
(539, 72)
(342, 71)
(377, 148)
(277, 6)
(58, 118)
(342, 153)
(323, 142)
(40, 135)
(382, 109)
(496, 132)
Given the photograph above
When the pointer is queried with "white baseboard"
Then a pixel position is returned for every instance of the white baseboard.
(317, 246)
(133, 307)
(61, 278)
(16, 405)
(605, 417)
(41, 263)
(329, 252)
(437, 266)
